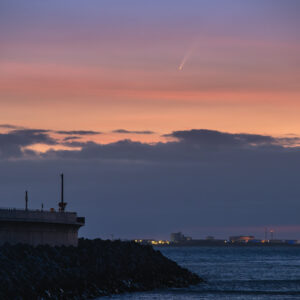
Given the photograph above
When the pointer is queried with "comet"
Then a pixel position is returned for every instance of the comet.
(187, 56)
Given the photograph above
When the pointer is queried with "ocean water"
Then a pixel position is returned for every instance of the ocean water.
(233, 273)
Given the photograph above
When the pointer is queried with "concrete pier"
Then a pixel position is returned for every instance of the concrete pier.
(39, 227)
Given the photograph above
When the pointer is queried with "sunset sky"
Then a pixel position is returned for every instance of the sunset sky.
(105, 65)
(108, 81)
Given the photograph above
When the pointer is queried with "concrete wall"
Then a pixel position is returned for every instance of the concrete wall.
(38, 233)
(39, 227)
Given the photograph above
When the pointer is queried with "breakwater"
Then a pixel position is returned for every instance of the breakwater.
(95, 268)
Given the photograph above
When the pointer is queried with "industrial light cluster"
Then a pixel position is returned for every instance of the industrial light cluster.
(179, 239)
(152, 242)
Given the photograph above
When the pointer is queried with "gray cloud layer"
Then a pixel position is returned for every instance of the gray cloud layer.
(189, 145)
(9, 126)
(78, 132)
(133, 131)
(193, 145)
(211, 138)
(11, 143)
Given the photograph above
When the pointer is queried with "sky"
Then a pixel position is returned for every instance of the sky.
(164, 115)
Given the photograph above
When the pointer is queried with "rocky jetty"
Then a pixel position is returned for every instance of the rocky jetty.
(95, 268)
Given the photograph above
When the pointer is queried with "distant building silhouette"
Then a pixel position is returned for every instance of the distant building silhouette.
(179, 237)
(241, 238)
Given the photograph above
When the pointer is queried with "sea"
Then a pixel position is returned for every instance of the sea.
(233, 273)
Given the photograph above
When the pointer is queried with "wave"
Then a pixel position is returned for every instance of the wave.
(255, 281)
(245, 287)
(236, 292)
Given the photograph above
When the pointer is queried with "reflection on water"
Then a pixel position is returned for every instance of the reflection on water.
(234, 273)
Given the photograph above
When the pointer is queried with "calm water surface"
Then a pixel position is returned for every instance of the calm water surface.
(233, 273)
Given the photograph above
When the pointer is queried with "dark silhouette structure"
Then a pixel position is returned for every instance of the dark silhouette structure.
(40, 227)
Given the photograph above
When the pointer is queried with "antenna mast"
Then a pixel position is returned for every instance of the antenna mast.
(62, 204)
(26, 200)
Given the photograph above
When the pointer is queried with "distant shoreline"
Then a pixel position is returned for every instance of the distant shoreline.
(228, 245)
